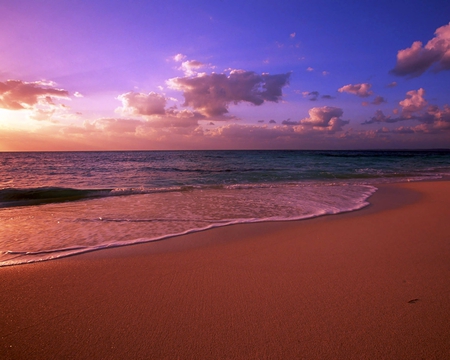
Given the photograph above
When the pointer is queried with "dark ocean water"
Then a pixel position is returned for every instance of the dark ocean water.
(56, 204)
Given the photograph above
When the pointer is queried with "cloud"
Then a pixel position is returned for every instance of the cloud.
(177, 119)
(142, 104)
(19, 95)
(410, 108)
(179, 57)
(414, 61)
(290, 122)
(392, 84)
(313, 95)
(78, 95)
(190, 67)
(379, 117)
(414, 107)
(272, 121)
(212, 94)
(326, 118)
(361, 90)
(377, 101)
(329, 97)
(309, 69)
(119, 126)
(292, 35)
(152, 107)
(414, 102)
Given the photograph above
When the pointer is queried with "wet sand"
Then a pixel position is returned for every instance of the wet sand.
(370, 284)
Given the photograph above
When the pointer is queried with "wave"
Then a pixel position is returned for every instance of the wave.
(11, 257)
(11, 197)
(15, 197)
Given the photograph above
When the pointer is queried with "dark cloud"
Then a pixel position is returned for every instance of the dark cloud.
(378, 100)
(329, 97)
(290, 122)
(212, 94)
(379, 117)
(260, 121)
(18, 95)
(272, 121)
(313, 95)
(414, 61)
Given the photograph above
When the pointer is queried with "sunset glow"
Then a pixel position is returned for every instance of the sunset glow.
(108, 75)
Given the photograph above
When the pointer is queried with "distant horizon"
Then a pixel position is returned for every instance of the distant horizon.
(183, 150)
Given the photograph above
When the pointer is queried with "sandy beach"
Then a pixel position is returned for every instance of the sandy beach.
(370, 284)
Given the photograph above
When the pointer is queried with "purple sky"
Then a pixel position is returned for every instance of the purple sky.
(113, 75)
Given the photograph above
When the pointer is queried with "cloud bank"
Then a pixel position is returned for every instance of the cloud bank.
(414, 107)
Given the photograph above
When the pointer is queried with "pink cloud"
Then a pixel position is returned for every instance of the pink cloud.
(119, 126)
(414, 107)
(414, 61)
(142, 104)
(326, 118)
(212, 94)
(152, 107)
(414, 102)
(361, 90)
(19, 95)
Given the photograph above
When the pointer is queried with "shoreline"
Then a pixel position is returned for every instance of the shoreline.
(371, 283)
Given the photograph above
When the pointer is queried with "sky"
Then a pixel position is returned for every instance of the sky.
(224, 74)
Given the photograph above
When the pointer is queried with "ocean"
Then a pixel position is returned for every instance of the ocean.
(56, 204)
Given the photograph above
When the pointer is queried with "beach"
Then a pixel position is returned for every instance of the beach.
(367, 284)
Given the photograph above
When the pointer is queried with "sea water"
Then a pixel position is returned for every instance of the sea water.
(56, 204)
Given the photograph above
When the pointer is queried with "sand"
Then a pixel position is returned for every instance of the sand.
(370, 284)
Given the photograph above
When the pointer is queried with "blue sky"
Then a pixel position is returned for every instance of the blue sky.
(103, 75)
